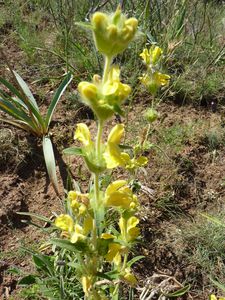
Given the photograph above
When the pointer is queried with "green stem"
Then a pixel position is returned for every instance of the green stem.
(108, 60)
(98, 140)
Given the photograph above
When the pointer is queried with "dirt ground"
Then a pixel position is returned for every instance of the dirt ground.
(190, 176)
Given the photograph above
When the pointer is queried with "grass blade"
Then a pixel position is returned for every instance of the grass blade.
(50, 162)
(57, 97)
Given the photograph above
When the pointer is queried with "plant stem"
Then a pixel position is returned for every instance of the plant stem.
(108, 60)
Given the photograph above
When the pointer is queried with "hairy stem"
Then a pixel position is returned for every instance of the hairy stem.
(108, 60)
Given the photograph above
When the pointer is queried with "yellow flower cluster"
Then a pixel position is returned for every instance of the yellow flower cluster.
(69, 224)
(104, 97)
(112, 33)
(113, 156)
(153, 79)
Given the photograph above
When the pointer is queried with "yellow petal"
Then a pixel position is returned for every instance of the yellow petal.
(116, 134)
(77, 234)
(161, 79)
(86, 284)
(64, 222)
(130, 278)
(83, 135)
(115, 186)
(145, 56)
(113, 250)
(141, 161)
(212, 297)
(87, 90)
(107, 236)
(72, 195)
(155, 53)
(88, 225)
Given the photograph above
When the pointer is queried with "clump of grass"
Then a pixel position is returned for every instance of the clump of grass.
(12, 150)
(205, 242)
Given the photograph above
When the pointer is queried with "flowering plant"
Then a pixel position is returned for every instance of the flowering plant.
(103, 249)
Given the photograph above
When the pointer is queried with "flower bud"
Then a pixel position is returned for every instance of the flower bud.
(99, 20)
(151, 115)
(87, 90)
(112, 31)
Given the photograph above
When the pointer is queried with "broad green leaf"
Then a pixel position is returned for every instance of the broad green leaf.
(50, 162)
(57, 97)
(27, 280)
(134, 260)
(73, 151)
(26, 90)
(180, 292)
(12, 89)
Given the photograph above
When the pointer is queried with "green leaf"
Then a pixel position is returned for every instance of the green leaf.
(19, 124)
(50, 162)
(73, 151)
(44, 263)
(57, 97)
(125, 147)
(41, 218)
(26, 90)
(65, 244)
(180, 292)
(12, 89)
(134, 260)
(15, 112)
(118, 110)
(27, 280)
(35, 116)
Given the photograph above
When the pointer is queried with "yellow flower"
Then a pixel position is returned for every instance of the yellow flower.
(145, 56)
(114, 253)
(161, 79)
(153, 81)
(77, 234)
(114, 88)
(128, 228)
(118, 194)
(78, 202)
(151, 57)
(104, 97)
(129, 277)
(113, 33)
(83, 135)
(64, 222)
(115, 157)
